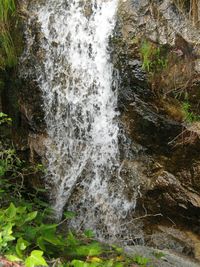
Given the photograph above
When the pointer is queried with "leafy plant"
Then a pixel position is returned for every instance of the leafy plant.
(35, 259)
(25, 237)
(28, 237)
(9, 161)
(4, 119)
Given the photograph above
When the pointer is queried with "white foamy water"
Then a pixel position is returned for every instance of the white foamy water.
(80, 104)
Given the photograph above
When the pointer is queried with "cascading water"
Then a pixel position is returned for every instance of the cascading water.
(80, 104)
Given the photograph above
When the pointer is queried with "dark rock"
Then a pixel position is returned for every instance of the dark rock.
(167, 166)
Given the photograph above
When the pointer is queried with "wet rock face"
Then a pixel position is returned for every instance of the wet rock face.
(151, 102)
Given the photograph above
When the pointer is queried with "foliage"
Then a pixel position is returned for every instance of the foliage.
(7, 7)
(9, 161)
(25, 237)
(7, 50)
(16, 235)
(27, 234)
(152, 56)
(141, 260)
(189, 115)
(4, 119)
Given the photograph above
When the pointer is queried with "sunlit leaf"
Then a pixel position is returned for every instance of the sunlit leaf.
(35, 259)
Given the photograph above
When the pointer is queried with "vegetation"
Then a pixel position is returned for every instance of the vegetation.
(7, 50)
(153, 57)
(27, 238)
(170, 77)
(189, 115)
(4, 118)
(27, 235)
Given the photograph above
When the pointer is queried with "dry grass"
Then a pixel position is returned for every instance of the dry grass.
(190, 8)
(188, 136)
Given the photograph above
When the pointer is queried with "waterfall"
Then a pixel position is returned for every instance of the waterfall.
(80, 104)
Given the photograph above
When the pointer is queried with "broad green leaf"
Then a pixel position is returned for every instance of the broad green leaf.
(11, 211)
(13, 258)
(7, 229)
(21, 246)
(45, 227)
(9, 238)
(2, 115)
(41, 243)
(89, 250)
(21, 210)
(30, 232)
(35, 259)
(31, 216)
(51, 237)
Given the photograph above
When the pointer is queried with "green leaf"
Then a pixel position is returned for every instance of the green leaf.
(69, 214)
(45, 227)
(31, 216)
(41, 243)
(21, 210)
(52, 239)
(71, 239)
(118, 264)
(117, 249)
(78, 263)
(89, 233)
(140, 260)
(7, 229)
(21, 246)
(2, 115)
(93, 249)
(35, 259)
(11, 211)
(2, 170)
(13, 258)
